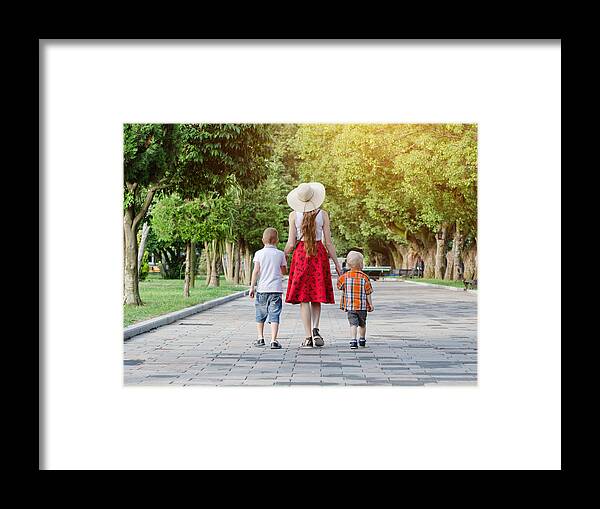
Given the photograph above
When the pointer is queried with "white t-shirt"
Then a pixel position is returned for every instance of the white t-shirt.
(270, 260)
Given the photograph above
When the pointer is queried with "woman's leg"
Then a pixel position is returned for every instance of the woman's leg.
(315, 311)
(305, 316)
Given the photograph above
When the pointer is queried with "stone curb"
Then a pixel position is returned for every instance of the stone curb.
(159, 321)
(441, 286)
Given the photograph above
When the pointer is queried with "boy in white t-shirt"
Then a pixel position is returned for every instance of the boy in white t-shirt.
(269, 265)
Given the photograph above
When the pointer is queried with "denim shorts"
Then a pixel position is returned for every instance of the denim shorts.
(357, 318)
(268, 307)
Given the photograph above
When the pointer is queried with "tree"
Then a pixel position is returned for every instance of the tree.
(257, 209)
(188, 221)
(170, 255)
(150, 152)
(189, 159)
(391, 188)
(142, 244)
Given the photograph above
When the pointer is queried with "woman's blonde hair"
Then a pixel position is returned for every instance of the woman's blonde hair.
(309, 232)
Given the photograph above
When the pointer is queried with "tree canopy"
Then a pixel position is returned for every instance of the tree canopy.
(397, 191)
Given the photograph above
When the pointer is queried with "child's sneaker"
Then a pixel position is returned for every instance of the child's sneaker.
(259, 342)
(353, 344)
(275, 345)
(362, 342)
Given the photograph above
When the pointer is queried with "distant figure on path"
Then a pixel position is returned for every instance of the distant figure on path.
(420, 267)
(309, 282)
(461, 269)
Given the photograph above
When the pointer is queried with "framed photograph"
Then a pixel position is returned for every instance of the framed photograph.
(262, 254)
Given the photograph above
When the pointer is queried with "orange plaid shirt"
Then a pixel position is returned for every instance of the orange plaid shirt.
(355, 286)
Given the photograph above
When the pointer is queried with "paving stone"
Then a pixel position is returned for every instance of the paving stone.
(417, 336)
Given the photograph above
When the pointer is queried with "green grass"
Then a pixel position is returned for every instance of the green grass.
(443, 282)
(161, 296)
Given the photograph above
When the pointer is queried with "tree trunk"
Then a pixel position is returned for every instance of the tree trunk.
(214, 273)
(424, 245)
(207, 252)
(248, 265)
(414, 250)
(457, 252)
(237, 264)
(188, 269)
(396, 257)
(164, 265)
(131, 222)
(228, 264)
(403, 252)
(242, 263)
(222, 262)
(449, 274)
(170, 262)
(193, 265)
(470, 261)
(131, 291)
(145, 230)
(440, 254)
(429, 259)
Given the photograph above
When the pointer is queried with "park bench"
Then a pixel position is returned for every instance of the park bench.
(470, 283)
(376, 272)
(406, 272)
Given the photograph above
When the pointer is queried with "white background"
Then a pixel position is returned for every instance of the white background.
(510, 420)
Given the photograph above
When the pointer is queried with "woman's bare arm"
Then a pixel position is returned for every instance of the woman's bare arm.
(328, 242)
(291, 242)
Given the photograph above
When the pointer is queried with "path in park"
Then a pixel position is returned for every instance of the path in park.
(417, 335)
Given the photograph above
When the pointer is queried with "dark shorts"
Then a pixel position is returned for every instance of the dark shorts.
(357, 318)
(268, 307)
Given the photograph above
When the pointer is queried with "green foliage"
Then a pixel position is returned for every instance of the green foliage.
(229, 181)
(149, 157)
(265, 206)
(203, 219)
(387, 180)
(169, 255)
(145, 268)
(238, 214)
(212, 157)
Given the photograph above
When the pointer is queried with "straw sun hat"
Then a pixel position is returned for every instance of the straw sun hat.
(306, 197)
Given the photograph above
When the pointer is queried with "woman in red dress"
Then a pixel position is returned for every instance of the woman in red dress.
(309, 282)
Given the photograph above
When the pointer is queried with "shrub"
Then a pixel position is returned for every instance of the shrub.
(145, 268)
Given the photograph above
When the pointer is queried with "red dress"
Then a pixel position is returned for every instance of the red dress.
(310, 277)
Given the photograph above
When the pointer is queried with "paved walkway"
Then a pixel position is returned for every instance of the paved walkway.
(417, 335)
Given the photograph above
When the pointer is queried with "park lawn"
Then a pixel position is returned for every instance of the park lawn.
(162, 296)
(443, 282)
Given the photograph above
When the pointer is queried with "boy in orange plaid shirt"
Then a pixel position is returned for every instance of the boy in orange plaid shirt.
(356, 297)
